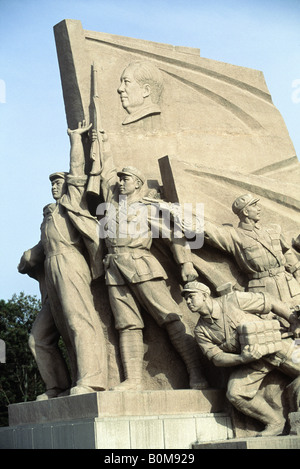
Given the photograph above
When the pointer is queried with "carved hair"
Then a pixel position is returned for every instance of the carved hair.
(145, 72)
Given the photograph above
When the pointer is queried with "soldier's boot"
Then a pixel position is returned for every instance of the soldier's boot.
(274, 423)
(132, 354)
(187, 348)
(49, 394)
(259, 409)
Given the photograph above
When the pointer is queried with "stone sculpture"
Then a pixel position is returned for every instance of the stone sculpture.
(296, 243)
(140, 90)
(222, 136)
(216, 334)
(44, 336)
(261, 252)
(134, 276)
(68, 234)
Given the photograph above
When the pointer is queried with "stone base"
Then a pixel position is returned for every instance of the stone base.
(294, 421)
(116, 420)
(117, 404)
(276, 442)
(155, 432)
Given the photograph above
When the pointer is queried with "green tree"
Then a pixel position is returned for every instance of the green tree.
(20, 380)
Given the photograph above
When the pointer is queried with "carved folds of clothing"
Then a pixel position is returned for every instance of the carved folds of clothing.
(262, 254)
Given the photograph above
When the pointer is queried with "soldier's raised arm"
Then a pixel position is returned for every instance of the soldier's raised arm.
(77, 160)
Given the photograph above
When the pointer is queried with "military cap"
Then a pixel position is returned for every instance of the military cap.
(132, 171)
(195, 287)
(243, 201)
(58, 175)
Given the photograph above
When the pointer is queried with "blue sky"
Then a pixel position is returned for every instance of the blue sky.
(263, 35)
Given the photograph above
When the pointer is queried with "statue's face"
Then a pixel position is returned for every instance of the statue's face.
(195, 301)
(253, 211)
(132, 95)
(59, 188)
(128, 185)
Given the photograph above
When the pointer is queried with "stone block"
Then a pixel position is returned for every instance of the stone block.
(115, 420)
(135, 432)
(24, 438)
(7, 438)
(112, 433)
(146, 432)
(180, 433)
(63, 436)
(278, 442)
(42, 437)
(213, 427)
(110, 404)
(84, 434)
(294, 421)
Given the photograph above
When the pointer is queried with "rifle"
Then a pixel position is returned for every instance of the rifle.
(97, 145)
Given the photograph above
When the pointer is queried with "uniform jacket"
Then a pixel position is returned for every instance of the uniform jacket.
(218, 332)
(129, 231)
(260, 252)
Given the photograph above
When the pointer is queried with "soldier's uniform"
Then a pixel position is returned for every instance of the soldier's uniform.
(68, 232)
(44, 335)
(217, 333)
(129, 264)
(135, 277)
(263, 254)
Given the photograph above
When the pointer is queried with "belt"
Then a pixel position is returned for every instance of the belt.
(63, 250)
(124, 249)
(267, 273)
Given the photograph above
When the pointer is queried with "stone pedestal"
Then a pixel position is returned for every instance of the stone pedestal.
(115, 420)
(276, 442)
(294, 421)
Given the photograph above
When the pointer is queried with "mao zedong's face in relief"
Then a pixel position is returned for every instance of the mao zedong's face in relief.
(132, 94)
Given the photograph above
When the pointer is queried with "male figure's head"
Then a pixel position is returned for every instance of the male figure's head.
(247, 208)
(59, 185)
(131, 180)
(198, 297)
(141, 85)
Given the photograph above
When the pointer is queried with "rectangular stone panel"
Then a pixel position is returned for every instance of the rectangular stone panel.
(108, 404)
(276, 442)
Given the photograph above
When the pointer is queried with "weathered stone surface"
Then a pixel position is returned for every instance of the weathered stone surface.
(140, 432)
(294, 421)
(117, 420)
(210, 134)
(224, 137)
(108, 404)
(285, 442)
(211, 112)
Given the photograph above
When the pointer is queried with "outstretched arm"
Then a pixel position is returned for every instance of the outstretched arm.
(77, 160)
(31, 259)
(292, 261)
(288, 313)
(161, 228)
